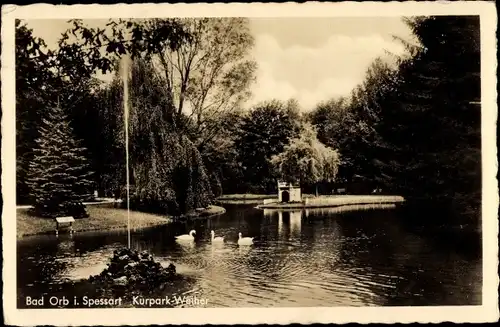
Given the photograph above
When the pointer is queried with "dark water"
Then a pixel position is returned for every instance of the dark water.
(313, 258)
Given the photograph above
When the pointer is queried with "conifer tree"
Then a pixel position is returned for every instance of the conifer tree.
(431, 125)
(59, 176)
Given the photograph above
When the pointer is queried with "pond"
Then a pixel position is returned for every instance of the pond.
(318, 257)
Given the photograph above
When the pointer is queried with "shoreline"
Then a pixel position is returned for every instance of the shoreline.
(332, 201)
(103, 217)
(244, 198)
(211, 211)
(249, 198)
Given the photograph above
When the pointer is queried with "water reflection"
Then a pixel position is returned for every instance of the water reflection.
(65, 246)
(314, 257)
(289, 222)
(346, 208)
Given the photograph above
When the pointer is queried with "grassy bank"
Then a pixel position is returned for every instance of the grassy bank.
(206, 212)
(102, 217)
(335, 201)
(249, 198)
(246, 198)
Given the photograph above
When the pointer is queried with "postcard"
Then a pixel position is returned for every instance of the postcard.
(249, 163)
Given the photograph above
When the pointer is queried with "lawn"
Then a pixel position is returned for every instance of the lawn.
(246, 196)
(102, 217)
(249, 198)
(324, 201)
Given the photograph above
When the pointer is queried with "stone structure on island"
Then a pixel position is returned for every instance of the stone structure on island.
(289, 192)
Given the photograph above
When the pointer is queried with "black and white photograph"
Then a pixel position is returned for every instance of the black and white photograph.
(292, 156)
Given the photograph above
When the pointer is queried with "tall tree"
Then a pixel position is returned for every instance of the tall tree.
(209, 75)
(366, 105)
(168, 172)
(337, 127)
(220, 155)
(431, 128)
(59, 178)
(106, 141)
(264, 132)
(32, 79)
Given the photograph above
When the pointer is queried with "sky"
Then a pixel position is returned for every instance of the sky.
(308, 59)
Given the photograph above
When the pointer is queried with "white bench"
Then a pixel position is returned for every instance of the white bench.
(65, 220)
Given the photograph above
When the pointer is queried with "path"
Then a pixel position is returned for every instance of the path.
(101, 201)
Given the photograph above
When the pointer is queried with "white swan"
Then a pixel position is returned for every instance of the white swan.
(186, 237)
(244, 240)
(216, 239)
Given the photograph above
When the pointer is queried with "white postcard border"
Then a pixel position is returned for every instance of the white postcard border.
(486, 312)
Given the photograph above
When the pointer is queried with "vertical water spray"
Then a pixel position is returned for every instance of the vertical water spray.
(125, 71)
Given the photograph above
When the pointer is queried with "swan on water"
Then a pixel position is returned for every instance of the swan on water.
(244, 240)
(186, 237)
(216, 239)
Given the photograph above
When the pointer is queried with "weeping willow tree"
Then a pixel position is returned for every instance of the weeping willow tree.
(167, 174)
(168, 170)
(305, 160)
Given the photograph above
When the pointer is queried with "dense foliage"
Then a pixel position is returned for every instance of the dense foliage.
(412, 128)
(220, 153)
(264, 132)
(350, 124)
(38, 87)
(166, 169)
(432, 127)
(58, 177)
(306, 161)
(63, 77)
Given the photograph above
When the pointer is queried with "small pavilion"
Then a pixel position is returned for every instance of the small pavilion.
(289, 192)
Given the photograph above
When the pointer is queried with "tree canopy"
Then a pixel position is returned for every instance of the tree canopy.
(64, 77)
(264, 132)
(305, 160)
(432, 124)
(412, 128)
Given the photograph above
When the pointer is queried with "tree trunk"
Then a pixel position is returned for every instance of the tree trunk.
(316, 190)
